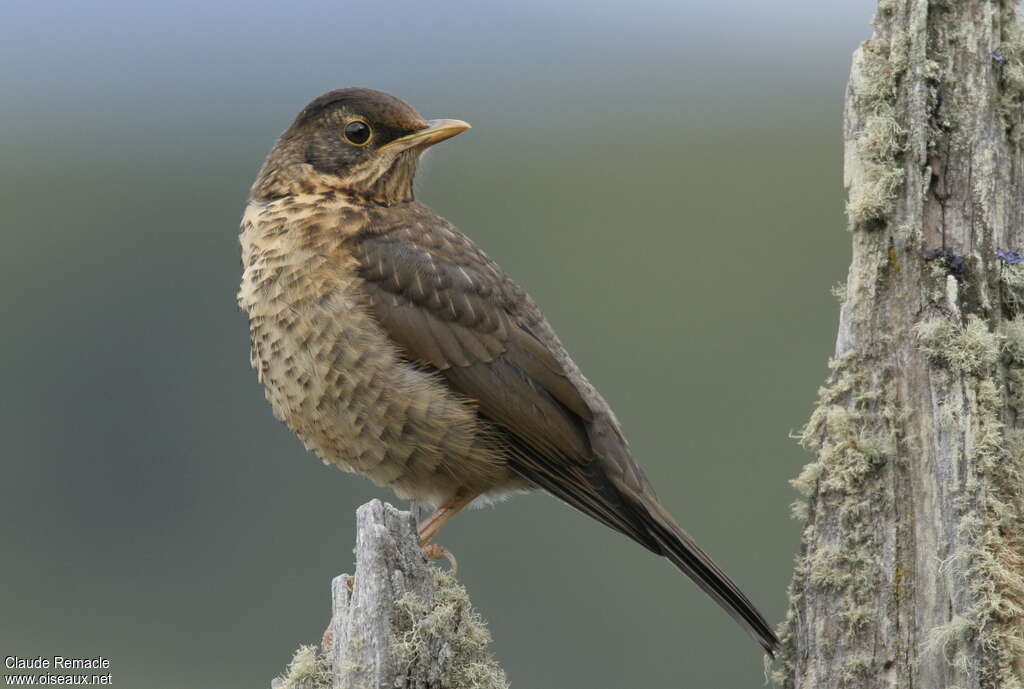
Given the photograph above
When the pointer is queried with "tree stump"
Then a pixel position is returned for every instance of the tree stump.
(398, 623)
(911, 570)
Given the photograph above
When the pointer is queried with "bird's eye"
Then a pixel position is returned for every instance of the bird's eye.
(357, 132)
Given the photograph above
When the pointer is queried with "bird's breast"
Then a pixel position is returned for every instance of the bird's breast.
(333, 375)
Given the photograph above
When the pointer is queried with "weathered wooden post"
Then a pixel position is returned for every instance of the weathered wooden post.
(399, 623)
(911, 571)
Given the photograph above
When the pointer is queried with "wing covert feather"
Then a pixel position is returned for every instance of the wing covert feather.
(457, 312)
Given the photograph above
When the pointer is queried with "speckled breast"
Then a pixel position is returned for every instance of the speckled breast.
(330, 372)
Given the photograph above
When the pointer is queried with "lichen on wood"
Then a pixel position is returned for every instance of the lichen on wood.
(308, 669)
(911, 568)
(399, 622)
(874, 173)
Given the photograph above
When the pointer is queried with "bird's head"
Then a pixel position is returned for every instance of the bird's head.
(356, 141)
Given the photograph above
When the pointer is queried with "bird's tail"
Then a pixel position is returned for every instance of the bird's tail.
(634, 511)
(685, 554)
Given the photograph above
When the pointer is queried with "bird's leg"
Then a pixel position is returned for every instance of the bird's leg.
(432, 524)
(429, 528)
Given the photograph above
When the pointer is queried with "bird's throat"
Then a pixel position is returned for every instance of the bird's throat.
(386, 182)
(389, 184)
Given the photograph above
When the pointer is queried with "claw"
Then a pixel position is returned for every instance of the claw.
(433, 551)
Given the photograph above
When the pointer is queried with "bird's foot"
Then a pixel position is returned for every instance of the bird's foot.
(433, 551)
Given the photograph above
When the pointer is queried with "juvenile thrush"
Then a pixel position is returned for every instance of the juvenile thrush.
(396, 349)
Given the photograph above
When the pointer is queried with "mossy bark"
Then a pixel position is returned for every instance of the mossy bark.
(399, 623)
(911, 569)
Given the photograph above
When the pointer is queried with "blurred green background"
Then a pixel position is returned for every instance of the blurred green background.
(664, 178)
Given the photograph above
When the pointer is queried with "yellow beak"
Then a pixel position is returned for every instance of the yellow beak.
(435, 131)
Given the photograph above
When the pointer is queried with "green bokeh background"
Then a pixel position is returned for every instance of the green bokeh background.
(664, 178)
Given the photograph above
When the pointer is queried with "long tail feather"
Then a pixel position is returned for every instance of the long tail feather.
(691, 559)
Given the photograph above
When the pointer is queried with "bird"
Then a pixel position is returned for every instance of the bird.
(396, 349)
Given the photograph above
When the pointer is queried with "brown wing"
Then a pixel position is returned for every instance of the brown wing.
(450, 308)
(452, 314)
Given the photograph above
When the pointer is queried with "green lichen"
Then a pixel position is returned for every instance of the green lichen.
(463, 635)
(807, 481)
(855, 668)
(970, 349)
(799, 510)
(844, 491)
(843, 488)
(947, 641)
(864, 440)
(444, 639)
(875, 175)
(1013, 341)
(989, 556)
(307, 670)
(1011, 278)
(1010, 58)
(845, 570)
(988, 559)
(1013, 345)
(937, 285)
(839, 292)
(856, 619)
